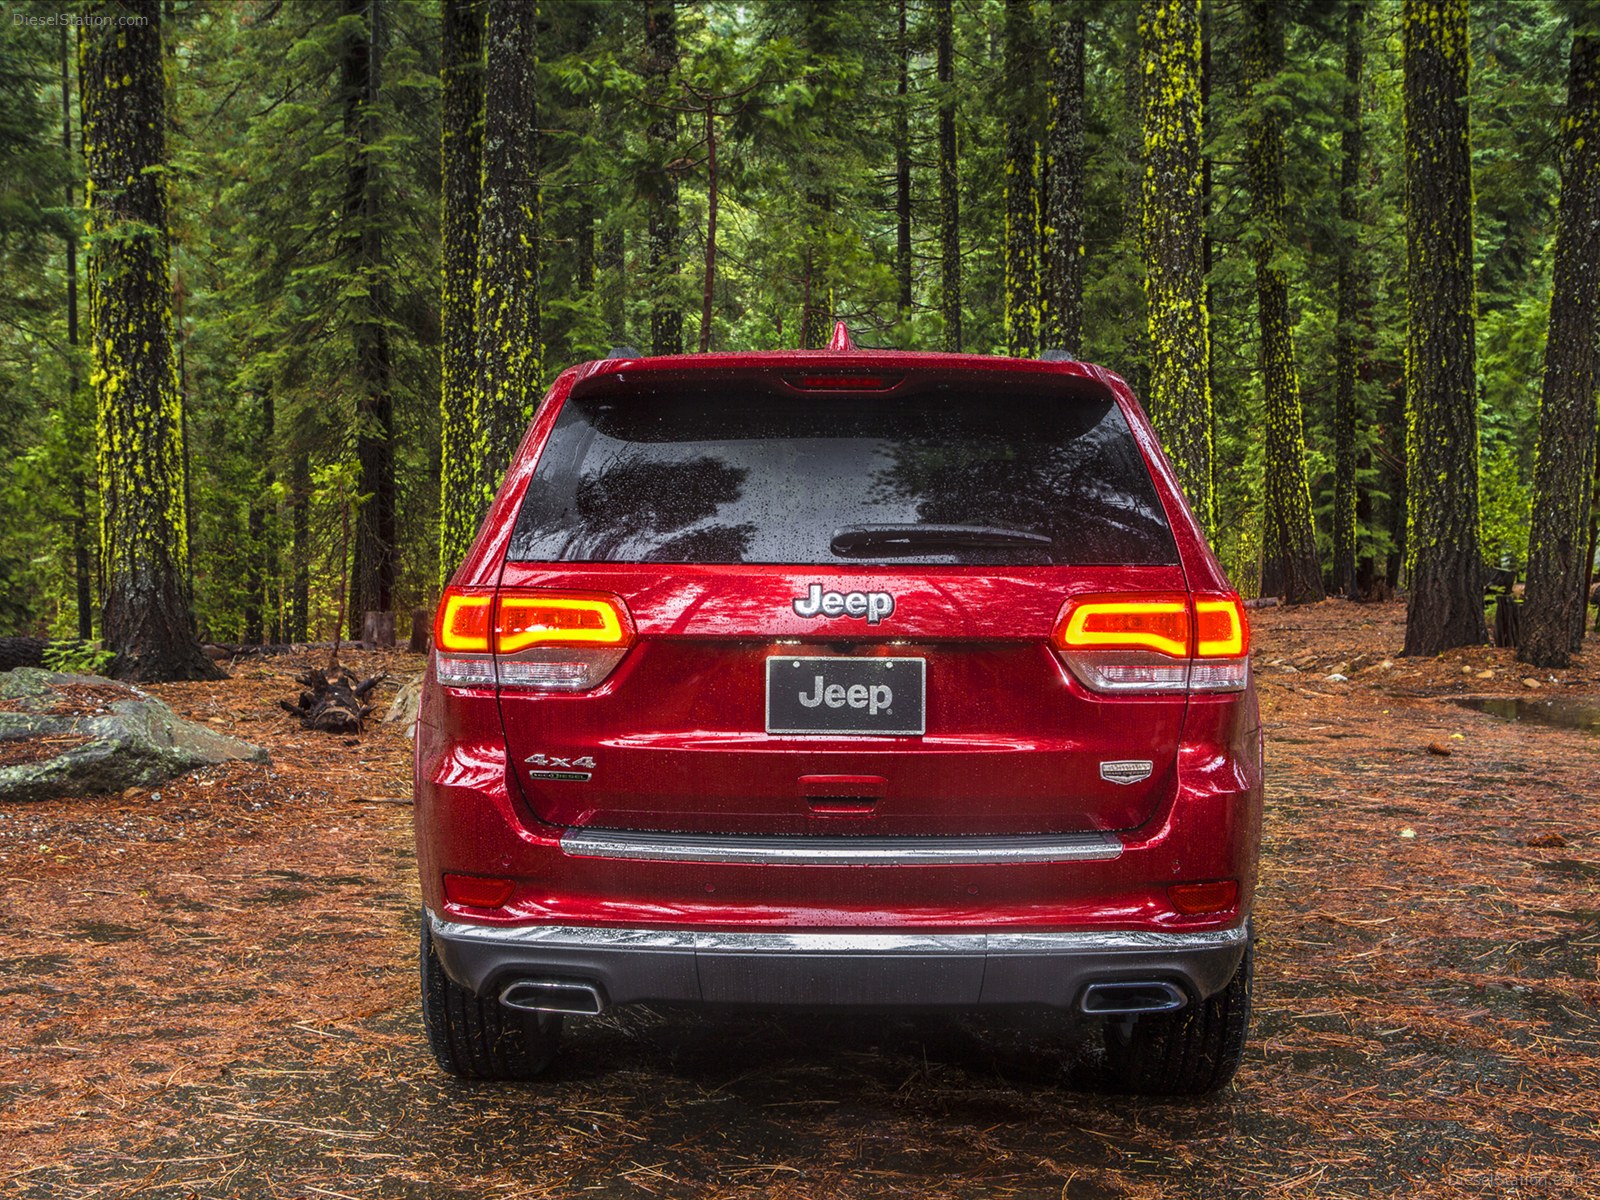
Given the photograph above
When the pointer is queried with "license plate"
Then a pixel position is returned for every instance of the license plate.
(852, 696)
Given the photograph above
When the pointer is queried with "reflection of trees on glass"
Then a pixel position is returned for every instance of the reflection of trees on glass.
(632, 502)
(1075, 477)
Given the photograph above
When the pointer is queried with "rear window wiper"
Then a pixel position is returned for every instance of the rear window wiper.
(853, 540)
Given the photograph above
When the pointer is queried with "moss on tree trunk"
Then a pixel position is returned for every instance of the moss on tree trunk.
(1063, 211)
(461, 157)
(1553, 615)
(507, 318)
(1289, 566)
(134, 372)
(1446, 568)
(949, 195)
(1171, 220)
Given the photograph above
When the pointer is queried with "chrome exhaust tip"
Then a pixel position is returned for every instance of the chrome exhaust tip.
(1134, 997)
(570, 996)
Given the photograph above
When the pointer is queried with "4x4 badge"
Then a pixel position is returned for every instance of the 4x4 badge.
(1126, 770)
(570, 770)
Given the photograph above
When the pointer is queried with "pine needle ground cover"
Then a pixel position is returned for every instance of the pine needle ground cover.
(211, 989)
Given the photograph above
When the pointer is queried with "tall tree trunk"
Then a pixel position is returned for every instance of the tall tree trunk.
(372, 571)
(1289, 566)
(711, 226)
(300, 546)
(461, 163)
(80, 518)
(1171, 228)
(902, 168)
(1557, 601)
(147, 621)
(949, 194)
(614, 268)
(661, 61)
(1346, 343)
(1021, 249)
(1446, 569)
(1063, 226)
(257, 579)
(508, 246)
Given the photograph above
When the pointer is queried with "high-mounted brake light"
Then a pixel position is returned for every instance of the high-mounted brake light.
(1155, 643)
(844, 383)
(525, 638)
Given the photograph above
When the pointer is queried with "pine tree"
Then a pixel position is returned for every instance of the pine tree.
(372, 570)
(661, 182)
(146, 616)
(461, 157)
(1289, 547)
(507, 318)
(1553, 614)
(1446, 569)
(1346, 351)
(1021, 186)
(1171, 233)
(902, 167)
(949, 190)
(1063, 226)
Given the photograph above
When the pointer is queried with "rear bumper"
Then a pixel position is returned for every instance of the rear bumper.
(853, 968)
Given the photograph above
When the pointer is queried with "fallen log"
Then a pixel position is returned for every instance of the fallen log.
(21, 652)
(334, 700)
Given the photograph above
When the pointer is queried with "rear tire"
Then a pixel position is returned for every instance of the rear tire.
(477, 1037)
(1187, 1053)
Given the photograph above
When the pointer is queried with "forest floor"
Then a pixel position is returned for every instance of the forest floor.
(210, 989)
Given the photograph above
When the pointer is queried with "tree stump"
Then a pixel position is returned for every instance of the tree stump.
(421, 631)
(334, 700)
(377, 629)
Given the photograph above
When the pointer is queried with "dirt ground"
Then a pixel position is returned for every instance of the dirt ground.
(210, 989)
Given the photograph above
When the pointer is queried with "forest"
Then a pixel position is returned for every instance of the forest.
(281, 281)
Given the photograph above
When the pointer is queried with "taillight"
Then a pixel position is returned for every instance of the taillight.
(521, 638)
(1222, 645)
(1155, 643)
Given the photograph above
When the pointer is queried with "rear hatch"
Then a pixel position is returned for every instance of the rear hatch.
(843, 590)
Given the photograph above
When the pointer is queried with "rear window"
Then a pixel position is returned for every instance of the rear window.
(986, 473)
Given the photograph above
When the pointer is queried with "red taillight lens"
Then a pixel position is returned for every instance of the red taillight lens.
(1221, 630)
(1192, 899)
(461, 625)
(559, 641)
(1158, 623)
(527, 619)
(477, 891)
(528, 639)
(1155, 642)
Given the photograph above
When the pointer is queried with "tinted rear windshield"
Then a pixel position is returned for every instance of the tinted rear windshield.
(974, 473)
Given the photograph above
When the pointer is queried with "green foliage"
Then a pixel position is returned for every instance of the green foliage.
(264, 304)
(78, 658)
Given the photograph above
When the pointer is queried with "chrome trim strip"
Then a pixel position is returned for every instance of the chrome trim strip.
(800, 850)
(851, 941)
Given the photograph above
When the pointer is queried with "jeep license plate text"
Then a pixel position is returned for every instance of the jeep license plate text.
(849, 696)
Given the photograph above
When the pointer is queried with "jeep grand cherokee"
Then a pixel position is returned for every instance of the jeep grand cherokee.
(840, 679)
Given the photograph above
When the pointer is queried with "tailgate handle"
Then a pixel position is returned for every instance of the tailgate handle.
(843, 794)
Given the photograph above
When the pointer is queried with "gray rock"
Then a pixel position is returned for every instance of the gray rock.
(112, 736)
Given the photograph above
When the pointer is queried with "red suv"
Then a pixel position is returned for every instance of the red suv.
(840, 678)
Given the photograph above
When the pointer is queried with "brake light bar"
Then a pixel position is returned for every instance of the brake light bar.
(1155, 642)
(526, 638)
(1150, 623)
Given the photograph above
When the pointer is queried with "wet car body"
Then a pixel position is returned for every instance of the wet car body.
(840, 679)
